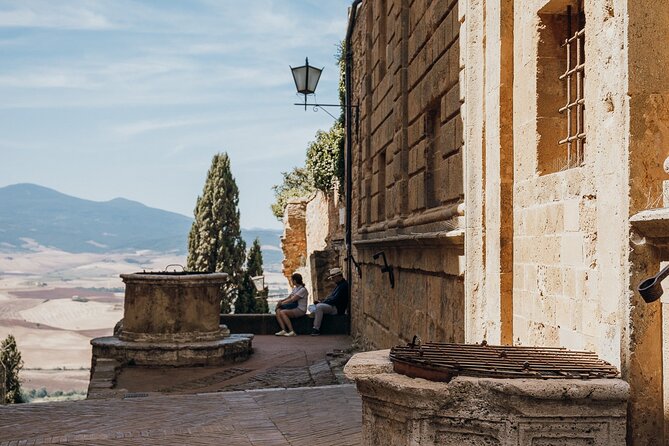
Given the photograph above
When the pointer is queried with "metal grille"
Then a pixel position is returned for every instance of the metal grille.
(574, 79)
(441, 362)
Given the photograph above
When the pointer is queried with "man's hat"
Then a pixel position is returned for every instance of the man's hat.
(334, 272)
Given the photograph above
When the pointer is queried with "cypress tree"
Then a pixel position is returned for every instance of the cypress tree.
(215, 242)
(254, 261)
(249, 299)
(245, 302)
(11, 362)
(254, 267)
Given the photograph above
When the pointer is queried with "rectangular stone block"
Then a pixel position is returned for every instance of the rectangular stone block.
(571, 215)
(455, 175)
(417, 157)
(572, 249)
(416, 131)
(417, 191)
(450, 103)
(375, 217)
(449, 139)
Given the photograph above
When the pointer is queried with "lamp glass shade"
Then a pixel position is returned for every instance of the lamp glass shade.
(300, 77)
(306, 78)
(312, 79)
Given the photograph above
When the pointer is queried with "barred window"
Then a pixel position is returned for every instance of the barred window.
(560, 86)
(573, 79)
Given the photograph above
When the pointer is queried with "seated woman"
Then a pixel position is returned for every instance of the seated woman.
(295, 305)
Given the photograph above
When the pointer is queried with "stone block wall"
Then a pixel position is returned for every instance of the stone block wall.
(312, 241)
(407, 171)
(294, 239)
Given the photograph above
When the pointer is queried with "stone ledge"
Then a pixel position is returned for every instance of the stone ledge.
(266, 324)
(653, 223)
(237, 347)
(455, 238)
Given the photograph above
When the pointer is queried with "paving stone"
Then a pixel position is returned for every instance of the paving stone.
(327, 415)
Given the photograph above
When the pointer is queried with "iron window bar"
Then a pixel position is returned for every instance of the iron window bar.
(574, 109)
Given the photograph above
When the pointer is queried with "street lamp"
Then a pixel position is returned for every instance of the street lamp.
(306, 79)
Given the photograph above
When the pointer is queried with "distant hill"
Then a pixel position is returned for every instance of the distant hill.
(270, 244)
(52, 219)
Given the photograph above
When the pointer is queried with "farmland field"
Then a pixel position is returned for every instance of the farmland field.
(55, 302)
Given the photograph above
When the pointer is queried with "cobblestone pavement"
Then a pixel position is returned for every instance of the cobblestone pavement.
(304, 361)
(326, 416)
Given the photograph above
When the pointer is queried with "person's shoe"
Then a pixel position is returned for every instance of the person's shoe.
(280, 333)
(315, 332)
(291, 333)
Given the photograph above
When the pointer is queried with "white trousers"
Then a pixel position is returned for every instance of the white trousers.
(322, 309)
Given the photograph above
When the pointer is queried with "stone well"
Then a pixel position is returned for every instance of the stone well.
(172, 319)
(399, 410)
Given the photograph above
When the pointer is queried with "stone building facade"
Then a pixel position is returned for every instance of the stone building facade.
(312, 241)
(408, 172)
(504, 152)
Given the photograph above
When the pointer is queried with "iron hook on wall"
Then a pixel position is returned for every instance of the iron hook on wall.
(386, 268)
(356, 264)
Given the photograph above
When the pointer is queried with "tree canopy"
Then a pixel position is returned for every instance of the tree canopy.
(249, 299)
(215, 243)
(11, 362)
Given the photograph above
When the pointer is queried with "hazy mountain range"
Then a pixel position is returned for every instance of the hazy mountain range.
(32, 214)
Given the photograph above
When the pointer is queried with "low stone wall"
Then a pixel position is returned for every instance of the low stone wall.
(266, 324)
(399, 410)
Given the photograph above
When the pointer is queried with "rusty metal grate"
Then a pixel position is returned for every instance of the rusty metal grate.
(442, 362)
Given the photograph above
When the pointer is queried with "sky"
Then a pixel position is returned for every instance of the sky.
(102, 99)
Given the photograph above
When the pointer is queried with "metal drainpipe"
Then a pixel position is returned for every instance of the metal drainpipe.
(349, 142)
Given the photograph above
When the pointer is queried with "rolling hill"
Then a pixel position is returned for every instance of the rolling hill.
(32, 214)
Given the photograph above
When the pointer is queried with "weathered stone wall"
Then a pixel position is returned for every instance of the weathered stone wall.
(548, 255)
(312, 241)
(573, 272)
(324, 241)
(407, 172)
(294, 239)
(317, 213)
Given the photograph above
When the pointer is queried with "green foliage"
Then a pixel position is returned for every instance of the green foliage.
(296, 184)
(324, 156)
(254, 259)
(249, 300)
(42, 394)
(215, 243)
(246, 296)
(324, 167)
(11, 362)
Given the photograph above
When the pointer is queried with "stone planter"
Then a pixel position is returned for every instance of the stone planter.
(399, 410)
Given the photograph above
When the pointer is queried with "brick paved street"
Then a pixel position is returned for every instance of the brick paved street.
(328, 415)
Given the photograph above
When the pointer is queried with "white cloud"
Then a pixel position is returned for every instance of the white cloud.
(58, 15)
(137, 128)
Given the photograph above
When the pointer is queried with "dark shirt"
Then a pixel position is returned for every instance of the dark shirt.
(339, 297)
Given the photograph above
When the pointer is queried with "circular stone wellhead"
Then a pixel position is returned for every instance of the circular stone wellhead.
(172, 307)
(172, 319)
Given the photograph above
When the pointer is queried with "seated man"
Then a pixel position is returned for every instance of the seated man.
(335, 303)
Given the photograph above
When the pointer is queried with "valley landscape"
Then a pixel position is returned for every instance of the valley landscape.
(54, 300)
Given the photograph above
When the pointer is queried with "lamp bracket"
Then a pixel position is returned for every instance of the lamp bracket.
(355, 107)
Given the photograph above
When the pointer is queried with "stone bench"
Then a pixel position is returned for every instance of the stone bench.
(266, 324)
